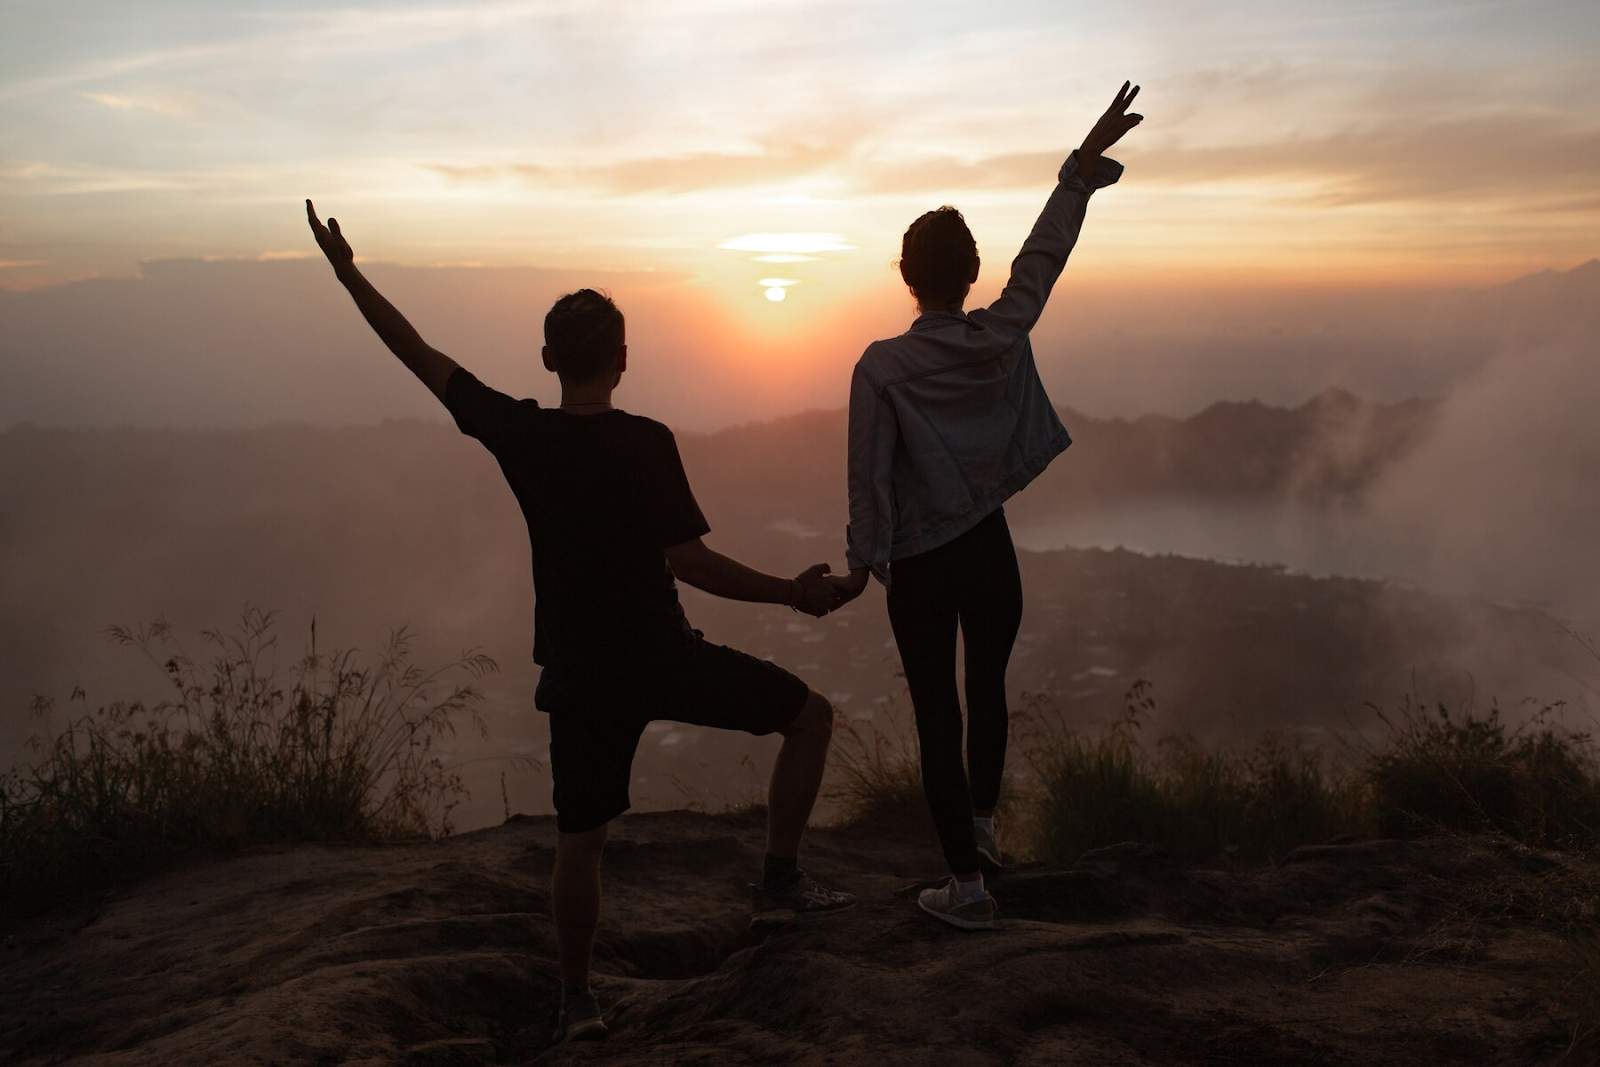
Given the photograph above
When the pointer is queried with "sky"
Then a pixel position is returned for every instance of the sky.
(1324, 193)
(1404, 138)
(744, 170)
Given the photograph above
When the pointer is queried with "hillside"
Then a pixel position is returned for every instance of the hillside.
(441, 954)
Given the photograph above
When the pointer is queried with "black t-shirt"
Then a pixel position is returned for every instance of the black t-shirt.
(603, 495)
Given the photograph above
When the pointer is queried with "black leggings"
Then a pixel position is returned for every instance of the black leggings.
(972, 581)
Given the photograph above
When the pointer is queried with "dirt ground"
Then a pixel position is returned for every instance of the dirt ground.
(442, 953)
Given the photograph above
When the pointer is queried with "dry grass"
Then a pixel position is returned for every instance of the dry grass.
(1538, 784)
(1208, 806)
(1075, 790)
(240, 752)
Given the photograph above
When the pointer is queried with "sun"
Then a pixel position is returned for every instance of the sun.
(777, 288)
(787, 248)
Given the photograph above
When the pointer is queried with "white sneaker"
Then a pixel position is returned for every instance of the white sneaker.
(580, 1020)
(944, 903)
(989, 844)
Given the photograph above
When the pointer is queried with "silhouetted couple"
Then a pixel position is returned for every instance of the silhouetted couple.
(946, 422)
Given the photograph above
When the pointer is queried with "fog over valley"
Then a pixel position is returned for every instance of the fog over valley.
(139, 482)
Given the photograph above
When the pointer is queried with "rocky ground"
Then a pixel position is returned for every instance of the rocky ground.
(441, 953)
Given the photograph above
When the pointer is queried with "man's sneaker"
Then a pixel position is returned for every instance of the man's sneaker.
(805, 899)
(989, 845)
(942, 902)
(580, 1020)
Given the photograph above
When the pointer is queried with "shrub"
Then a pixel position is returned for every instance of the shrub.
(1537, 784)
(1204, 806)
(237, 754)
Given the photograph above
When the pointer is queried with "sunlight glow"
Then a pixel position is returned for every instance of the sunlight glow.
(776, 294)
(794, 243)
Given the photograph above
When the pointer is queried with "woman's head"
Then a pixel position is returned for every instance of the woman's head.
(939, 259)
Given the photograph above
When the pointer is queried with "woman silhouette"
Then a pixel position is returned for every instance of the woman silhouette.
(947, 421)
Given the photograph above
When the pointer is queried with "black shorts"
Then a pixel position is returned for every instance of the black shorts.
(598, 716)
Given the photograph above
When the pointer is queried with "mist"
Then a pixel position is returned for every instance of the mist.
(148, 472)
(236, 343)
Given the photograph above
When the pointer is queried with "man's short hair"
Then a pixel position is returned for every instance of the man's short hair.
(584, 331)
(936, 257)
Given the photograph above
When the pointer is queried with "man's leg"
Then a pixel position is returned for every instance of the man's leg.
(727, 689)
(797, 775)
(575, 904)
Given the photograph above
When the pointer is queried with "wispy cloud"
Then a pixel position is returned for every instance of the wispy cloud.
(48, 179)
(106, 68)
(767, 163)
(559, 128)
(173, 102)
(1536, 158)
(1544, 161)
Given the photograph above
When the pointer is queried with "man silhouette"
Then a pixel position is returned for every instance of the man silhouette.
(612, 522)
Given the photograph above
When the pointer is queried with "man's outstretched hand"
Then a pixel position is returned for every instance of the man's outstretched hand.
(814, 594)
(330, 240)
(428, 364)
(1109, 129)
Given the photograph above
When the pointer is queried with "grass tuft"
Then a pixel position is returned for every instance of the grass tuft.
(1203, 805)
(240, 752)
(877, 776)
(1435, 771)
(1538, 784)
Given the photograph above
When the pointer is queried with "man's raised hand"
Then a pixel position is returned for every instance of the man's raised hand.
(428, 364)
(329, 239)
(1113, 124)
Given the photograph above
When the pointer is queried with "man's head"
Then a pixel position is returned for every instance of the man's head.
(939, 259)
(584, 338)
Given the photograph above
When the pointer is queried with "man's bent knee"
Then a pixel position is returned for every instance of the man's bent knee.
(815, 721)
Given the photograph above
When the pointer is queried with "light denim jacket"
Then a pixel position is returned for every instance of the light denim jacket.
(949, 419)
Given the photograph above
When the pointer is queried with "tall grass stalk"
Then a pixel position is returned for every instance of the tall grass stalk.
(876, 775)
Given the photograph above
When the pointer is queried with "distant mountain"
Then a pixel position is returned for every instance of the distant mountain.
(106, 526)
(1326, 450)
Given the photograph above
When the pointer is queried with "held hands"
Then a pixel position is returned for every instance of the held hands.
(1112, 125)
(849, 586)
(330, 240)
(812, 593)
(817, 592)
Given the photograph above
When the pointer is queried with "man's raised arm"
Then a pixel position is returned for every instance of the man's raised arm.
(427, 363)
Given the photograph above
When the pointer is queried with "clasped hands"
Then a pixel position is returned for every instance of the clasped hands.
(817, 592)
